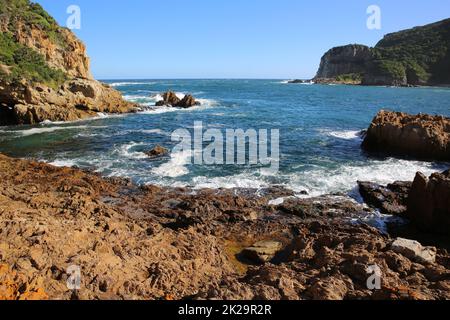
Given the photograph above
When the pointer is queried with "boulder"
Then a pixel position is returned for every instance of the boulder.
(187, 102)
(263, 251)
(420, 136)
(169, 99)
(157, 151)
(429, 202)
(414, 251)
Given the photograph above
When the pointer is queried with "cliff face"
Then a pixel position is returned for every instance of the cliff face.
(66, 53)
(418, 56)
(345, 60)
(44, 70)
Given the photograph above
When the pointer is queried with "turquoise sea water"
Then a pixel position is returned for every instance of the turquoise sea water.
(319, 141)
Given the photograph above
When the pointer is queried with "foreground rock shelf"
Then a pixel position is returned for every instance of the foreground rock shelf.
(154, 243)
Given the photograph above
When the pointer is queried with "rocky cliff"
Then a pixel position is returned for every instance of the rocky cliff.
(344, 63)
(44, 70)
(418, 56)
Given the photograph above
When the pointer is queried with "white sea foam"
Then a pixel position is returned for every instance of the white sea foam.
(276, 202)
(380, 221)
(176, 167)
(345, 134)
(155, 131)
(124, 84)
(204, 104)
(343, 179)
(242, 180)
(63, 163)
(126, 151)
(33, 131)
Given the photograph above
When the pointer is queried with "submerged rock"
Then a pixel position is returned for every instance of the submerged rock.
(420, 136)
(157, 151)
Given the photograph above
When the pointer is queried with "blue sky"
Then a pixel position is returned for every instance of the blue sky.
(230, 38)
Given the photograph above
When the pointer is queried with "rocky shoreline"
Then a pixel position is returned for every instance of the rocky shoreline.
(149, 242)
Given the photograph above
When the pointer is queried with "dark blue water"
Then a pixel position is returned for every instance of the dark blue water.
(319, 142)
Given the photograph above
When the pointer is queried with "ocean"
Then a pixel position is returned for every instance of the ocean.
(319, 129)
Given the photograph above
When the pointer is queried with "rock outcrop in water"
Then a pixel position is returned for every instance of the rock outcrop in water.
(45, 72)
(157, 152)
(418, 56)
(150, 242)
(420, 136)
(171, 99)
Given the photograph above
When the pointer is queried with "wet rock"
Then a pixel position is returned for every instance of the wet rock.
(171, 99)
(187, 102)
(390, 200)
(263, 251)
(157, 151)
(413, 250)
(429, 202)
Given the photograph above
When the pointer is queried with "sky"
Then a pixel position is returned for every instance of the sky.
(267, 39)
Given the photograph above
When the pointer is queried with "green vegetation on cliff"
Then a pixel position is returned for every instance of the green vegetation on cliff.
(420, 54)
(24, 62)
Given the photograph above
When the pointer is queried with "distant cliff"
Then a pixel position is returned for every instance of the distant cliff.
(44, 70)
(418, 56)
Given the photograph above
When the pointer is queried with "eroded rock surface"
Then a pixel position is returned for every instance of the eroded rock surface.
(171, 99)
(158, 243)
(417, 136)
(76, 99)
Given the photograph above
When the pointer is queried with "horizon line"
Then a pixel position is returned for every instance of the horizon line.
(158, 79)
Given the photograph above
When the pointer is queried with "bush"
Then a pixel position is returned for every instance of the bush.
(27, 63)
